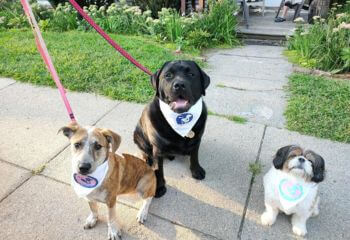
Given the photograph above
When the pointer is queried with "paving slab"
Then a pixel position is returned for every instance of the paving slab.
(45, 209)
(5, 82)
(11, 178)
(249, 82)
(275, 69)
(334, 219)
(265, 107)
(250, 51)
(31, 117)
(214, 205)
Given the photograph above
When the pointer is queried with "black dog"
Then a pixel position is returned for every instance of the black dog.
(180, 84)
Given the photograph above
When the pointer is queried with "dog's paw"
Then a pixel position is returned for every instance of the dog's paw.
(315, 213)
(198, 173)
(300, 231)
(160, 191)
(114, 233)
(149, 161)
(90, 222)
(267, 219)
(141, 216)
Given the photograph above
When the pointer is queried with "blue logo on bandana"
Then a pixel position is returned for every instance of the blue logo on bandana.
(85, 181)
(184, 118)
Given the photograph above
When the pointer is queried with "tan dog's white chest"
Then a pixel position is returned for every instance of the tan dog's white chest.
(100, 195)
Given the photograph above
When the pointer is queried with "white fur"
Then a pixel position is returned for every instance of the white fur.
(301, 212)
(306, 169)
(143, 212)
(114, 231)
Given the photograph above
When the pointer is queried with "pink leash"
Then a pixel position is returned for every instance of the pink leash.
(108, 39)
(46, 56)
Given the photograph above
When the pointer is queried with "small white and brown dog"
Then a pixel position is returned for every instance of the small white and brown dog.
(291, 186)
(100, 175)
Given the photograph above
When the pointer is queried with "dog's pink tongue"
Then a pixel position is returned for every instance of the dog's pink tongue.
(179, 103)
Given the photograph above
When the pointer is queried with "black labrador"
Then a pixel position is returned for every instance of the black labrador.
(180, 84)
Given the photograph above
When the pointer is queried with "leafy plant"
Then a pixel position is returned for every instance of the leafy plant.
(156, 5)
(217, 26)
(324, 45)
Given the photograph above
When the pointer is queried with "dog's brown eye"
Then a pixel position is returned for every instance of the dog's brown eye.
(168, 75)
(97, 146)
(77, 145)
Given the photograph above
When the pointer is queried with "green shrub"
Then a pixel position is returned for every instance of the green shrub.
(82, 3)
(217, 26)
(156, 5)
(325, 44)
(12, 15)
(221, 22)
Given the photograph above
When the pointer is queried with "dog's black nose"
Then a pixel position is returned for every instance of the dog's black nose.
(84, 167)
(301, 160)
(178, 85)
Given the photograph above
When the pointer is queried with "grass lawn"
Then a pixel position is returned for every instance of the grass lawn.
(319, 106)
(85, 62)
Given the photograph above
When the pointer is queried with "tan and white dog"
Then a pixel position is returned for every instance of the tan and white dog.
(291, 186)
(93, 148)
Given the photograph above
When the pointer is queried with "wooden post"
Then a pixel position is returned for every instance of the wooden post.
(183, 7)
(200, 5)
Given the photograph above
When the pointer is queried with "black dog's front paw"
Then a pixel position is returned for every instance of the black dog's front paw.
(198, 173)
(160, 191)
(149, 161)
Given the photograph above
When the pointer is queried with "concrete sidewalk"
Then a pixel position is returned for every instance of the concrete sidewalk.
(43, 206)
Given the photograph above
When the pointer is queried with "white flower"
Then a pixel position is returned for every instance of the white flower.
(344, 25)
(149, 19)
(156, 21)
(147, 13)
(299, 20)
(316, 18)
(339, 5)
(335, 30)
(322, 20)
(2, 19)
(341, 15)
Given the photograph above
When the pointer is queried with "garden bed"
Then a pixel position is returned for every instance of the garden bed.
(325, 45)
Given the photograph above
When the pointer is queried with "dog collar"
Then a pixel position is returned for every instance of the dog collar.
(291, 190)
(182, 123)
(83, 185)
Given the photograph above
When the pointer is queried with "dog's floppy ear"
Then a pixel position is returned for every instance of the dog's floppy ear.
(112, 138)
(69, 130)
(205, 79)
(155, 78)
(318, 166)
(281, 156)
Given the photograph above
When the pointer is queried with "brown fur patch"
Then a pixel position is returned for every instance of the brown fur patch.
(296, 151)
(128, 174)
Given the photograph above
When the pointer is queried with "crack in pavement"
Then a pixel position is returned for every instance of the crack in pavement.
(250, 90)
(240, 230)
(246, 56)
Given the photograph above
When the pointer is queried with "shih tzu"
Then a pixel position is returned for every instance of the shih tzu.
(291, 186)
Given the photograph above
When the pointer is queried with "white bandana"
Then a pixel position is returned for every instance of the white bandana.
(291, 190)
(182, 123)
(85, 184)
